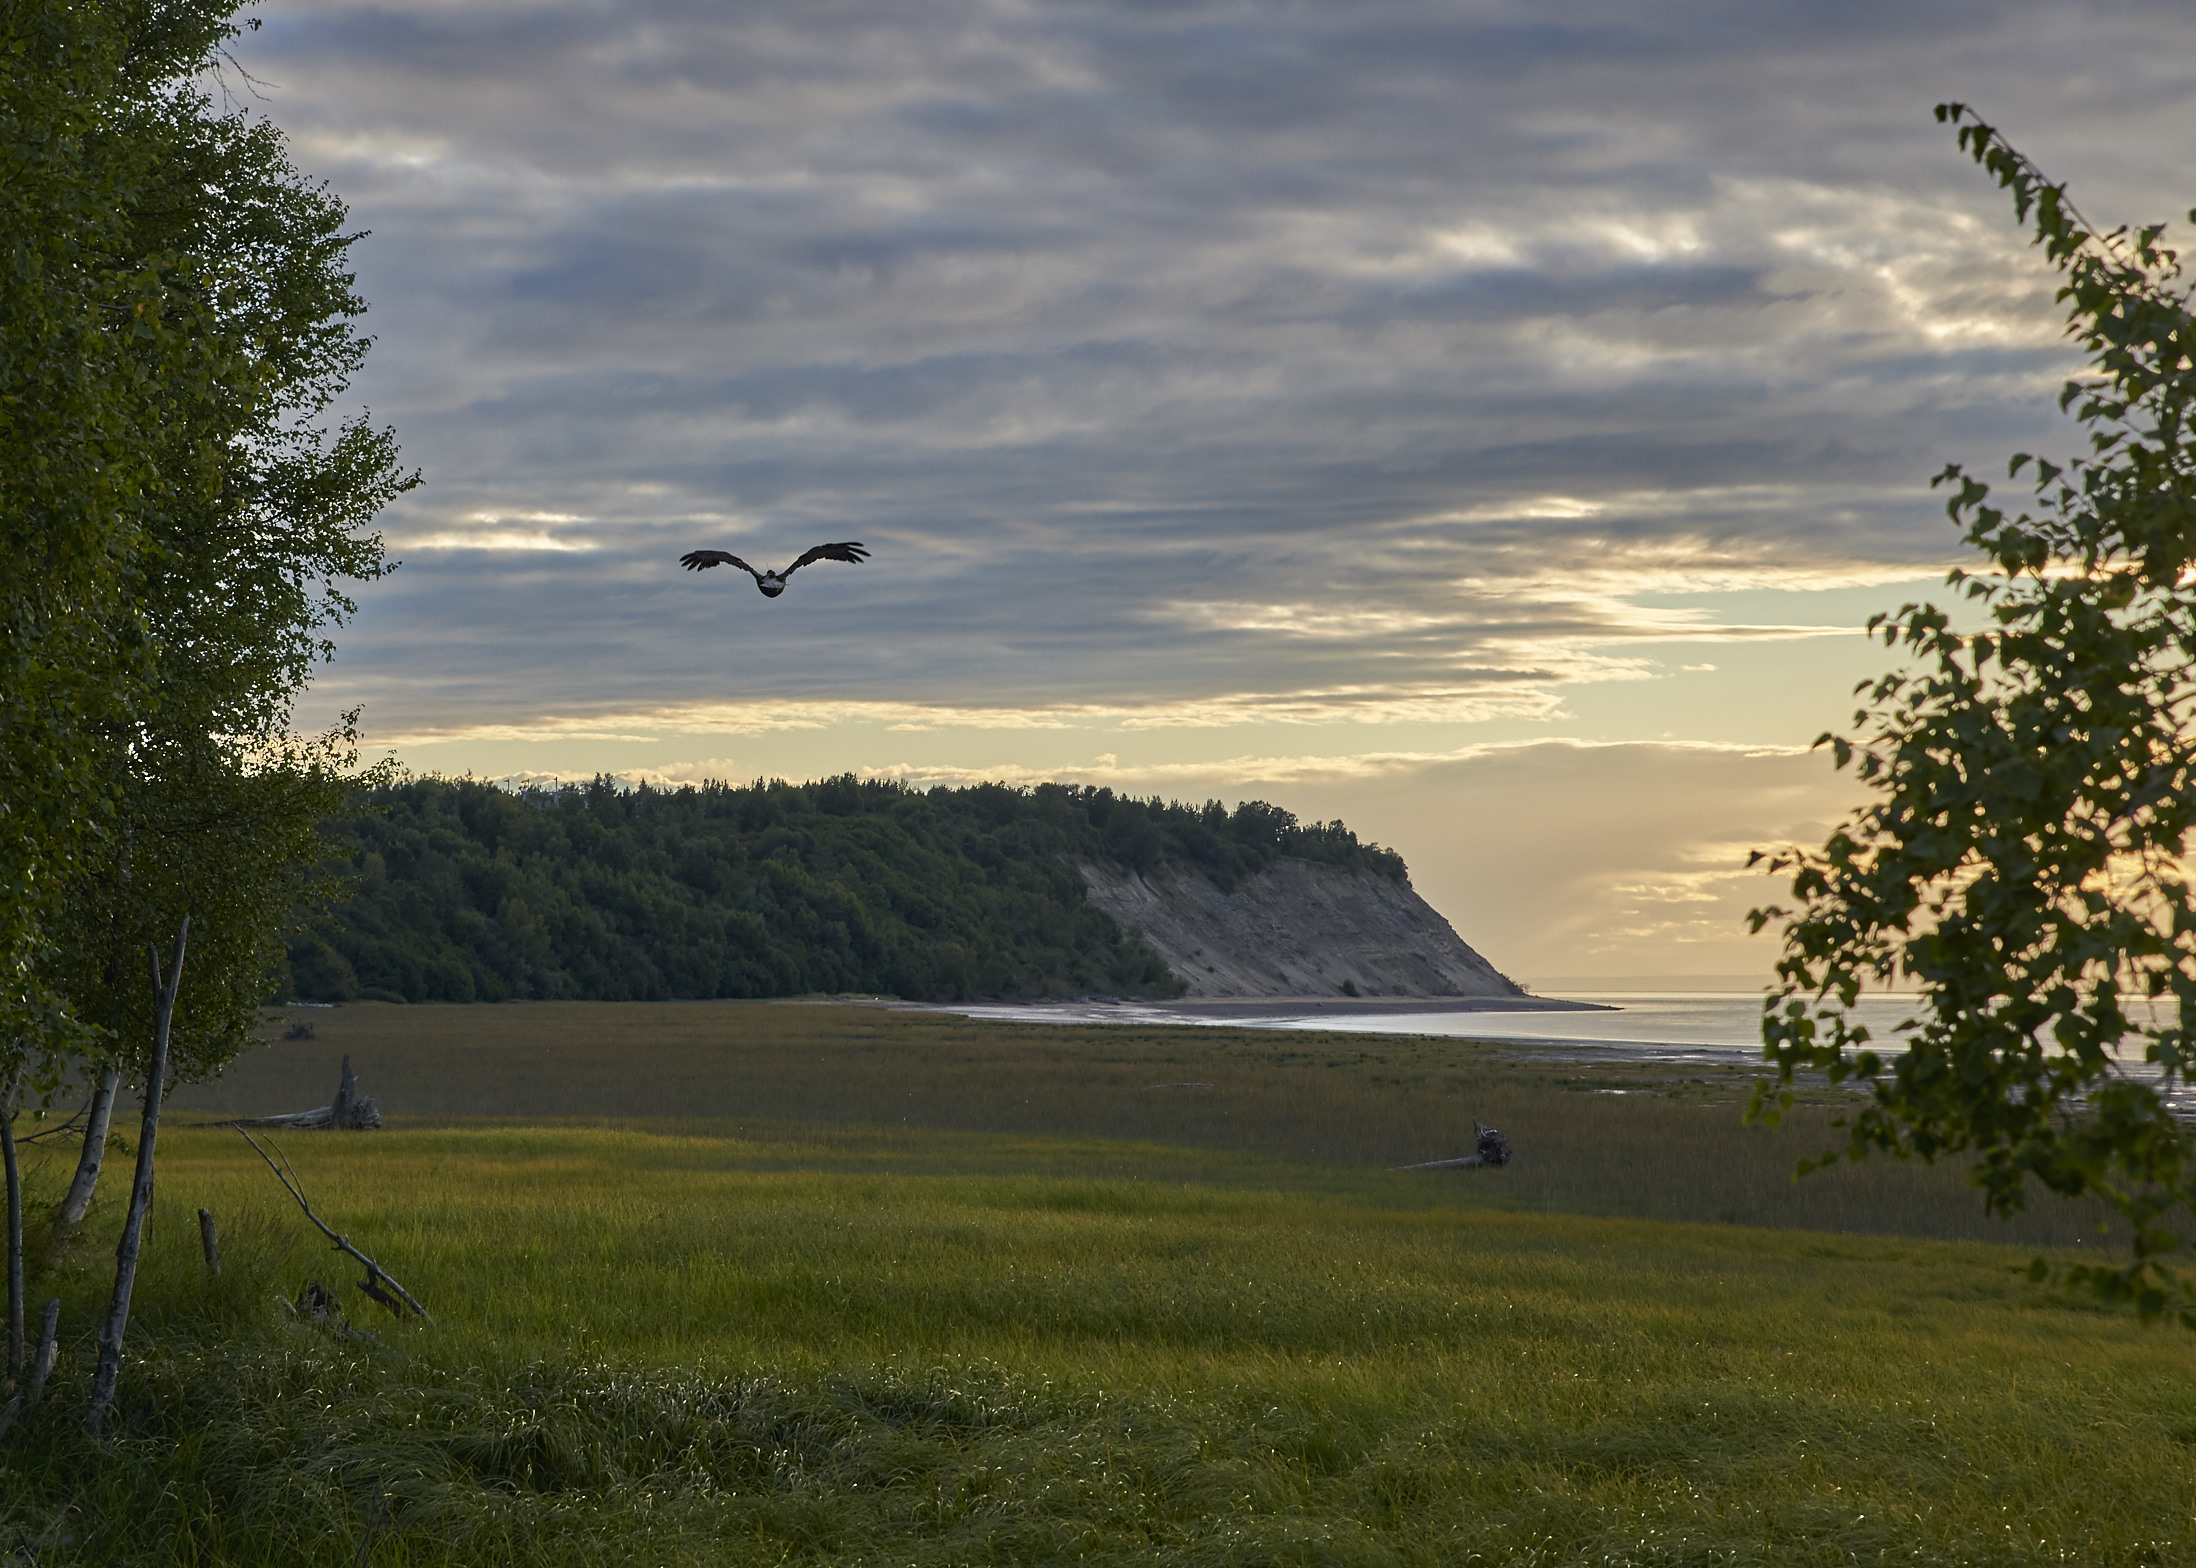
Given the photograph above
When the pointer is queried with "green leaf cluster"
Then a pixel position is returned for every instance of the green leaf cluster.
(176, 514)
(465, 892)
(2024, 857)
(88, 359)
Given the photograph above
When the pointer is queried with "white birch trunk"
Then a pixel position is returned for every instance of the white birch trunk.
(15, 1228)
(78, 1201)
(109, 1367)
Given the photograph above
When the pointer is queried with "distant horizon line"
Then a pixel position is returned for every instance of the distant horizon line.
(1658, 980)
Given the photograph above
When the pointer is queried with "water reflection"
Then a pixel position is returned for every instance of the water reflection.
(1703, 1027)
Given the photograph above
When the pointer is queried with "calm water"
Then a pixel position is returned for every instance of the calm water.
(1670, 1026)
(1706, 1026)
(1722, 1026)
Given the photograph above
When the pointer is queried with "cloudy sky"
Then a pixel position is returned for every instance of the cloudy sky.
(1485, 422)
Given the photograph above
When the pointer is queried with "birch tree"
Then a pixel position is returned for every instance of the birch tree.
(2024, 860)
(179, 517)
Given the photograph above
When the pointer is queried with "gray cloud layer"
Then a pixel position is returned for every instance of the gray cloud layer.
(1172, 352)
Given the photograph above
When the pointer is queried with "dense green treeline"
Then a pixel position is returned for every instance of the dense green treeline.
(467, 892)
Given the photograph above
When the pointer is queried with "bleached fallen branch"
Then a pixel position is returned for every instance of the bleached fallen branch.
(376, 1275)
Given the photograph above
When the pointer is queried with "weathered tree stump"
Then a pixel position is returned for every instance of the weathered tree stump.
(315, 1303)
(1492, 1151)
(349, 1111)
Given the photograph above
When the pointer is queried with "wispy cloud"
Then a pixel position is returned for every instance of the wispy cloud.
(493, 531)
(1344, 705)
(1248, 770)
(498, 539)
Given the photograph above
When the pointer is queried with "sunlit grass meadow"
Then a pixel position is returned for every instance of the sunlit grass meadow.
(904, 1289)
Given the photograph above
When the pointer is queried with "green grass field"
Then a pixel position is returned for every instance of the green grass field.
(748, 1283)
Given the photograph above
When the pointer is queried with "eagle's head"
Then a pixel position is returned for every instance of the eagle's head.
(771, 584)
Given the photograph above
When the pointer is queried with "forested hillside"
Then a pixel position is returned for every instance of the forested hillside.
(468, 892)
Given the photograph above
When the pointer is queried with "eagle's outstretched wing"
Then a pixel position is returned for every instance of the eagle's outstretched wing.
(830, 552)
(702, 560)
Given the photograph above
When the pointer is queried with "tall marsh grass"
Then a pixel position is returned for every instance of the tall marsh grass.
(1608, 1139)
(1040, 1314)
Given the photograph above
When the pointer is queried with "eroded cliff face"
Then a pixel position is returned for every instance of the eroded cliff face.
(1297, 929)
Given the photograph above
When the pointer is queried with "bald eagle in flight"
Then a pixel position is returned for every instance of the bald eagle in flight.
(773, 583)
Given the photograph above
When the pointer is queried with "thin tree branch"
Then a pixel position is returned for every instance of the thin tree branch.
(61, 1130)
(376, 1275)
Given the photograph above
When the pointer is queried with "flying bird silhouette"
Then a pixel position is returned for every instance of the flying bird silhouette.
(773, 583)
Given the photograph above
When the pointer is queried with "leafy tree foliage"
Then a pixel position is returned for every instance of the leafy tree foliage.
(233, 841)
(2024, 859)
(86, 355)
(175, 321)
(466, 892)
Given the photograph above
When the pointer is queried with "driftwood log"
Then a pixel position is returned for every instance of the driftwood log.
(1492, 1150)
(349, 1111)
